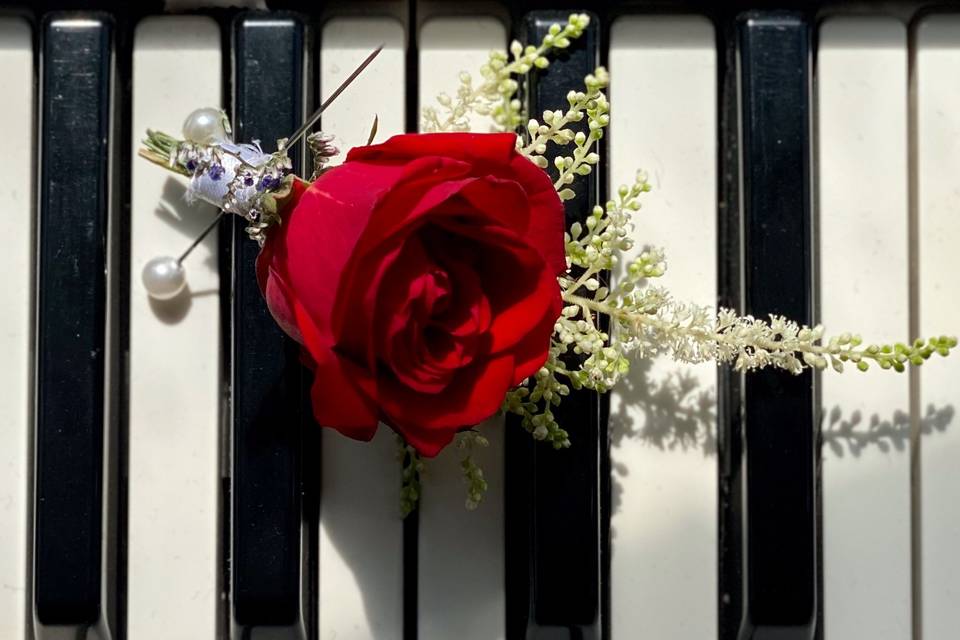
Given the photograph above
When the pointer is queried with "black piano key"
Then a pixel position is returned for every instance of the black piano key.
(73, 250)
(729, 382)
(553, 497)
(267, 403)
(780, 546)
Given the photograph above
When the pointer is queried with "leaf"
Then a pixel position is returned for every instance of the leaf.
(373, 129)
(269, 204)
(286, 186)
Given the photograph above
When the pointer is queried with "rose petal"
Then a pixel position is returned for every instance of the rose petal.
(311, 246)
(547, 221)
(518, 283)
(528, 298)
(530, 354)
(427, 442)
(483, 151)
(276, 293)
(343, 394)
(494, 155)
(351, 314)
(430, 423)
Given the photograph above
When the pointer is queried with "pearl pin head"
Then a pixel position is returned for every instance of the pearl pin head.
(206, 126)
(163, 278)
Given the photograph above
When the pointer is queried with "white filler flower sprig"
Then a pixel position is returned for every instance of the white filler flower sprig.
(602, 328)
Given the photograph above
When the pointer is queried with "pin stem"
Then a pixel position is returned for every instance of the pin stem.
(296, 135)
(203, 234)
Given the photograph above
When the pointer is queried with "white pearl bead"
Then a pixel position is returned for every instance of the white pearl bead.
(163, 278)
(204, 126)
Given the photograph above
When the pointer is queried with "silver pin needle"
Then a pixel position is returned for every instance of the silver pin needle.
(333, 96)
(203, 234)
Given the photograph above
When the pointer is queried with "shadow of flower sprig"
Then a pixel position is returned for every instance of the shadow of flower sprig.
(675, 411)
(852, 435)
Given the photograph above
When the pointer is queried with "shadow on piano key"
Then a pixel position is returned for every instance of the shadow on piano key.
(197, 217)
(672, 411)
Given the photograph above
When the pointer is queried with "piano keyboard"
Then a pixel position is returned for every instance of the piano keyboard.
(161, 478)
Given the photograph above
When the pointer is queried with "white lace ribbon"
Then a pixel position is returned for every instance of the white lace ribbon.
(229, 176)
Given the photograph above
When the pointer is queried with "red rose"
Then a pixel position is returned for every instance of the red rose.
(420, 278)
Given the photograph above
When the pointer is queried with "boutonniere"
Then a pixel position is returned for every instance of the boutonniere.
(432, 280)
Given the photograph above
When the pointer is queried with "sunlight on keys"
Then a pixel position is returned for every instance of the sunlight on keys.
(174, 468)
(863, 259)
(937, 77)
(663, 416)
(16, 260)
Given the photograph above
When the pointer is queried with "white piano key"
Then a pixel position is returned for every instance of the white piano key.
(175, 390)
(937, 76)
(451, 44)
(361, 541)
(663, 439)
(16, 263)
(361, 533)
(461, 583)
(380, 91)
(863, 178)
